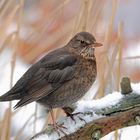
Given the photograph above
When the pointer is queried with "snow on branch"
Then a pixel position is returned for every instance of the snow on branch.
(100, 117)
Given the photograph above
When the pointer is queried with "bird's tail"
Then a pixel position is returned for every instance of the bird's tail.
(9, 96)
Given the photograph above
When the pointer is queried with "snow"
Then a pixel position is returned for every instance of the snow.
(108, 100)
(70, 125)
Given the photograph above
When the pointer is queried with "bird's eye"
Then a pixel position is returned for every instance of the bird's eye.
(82, 41)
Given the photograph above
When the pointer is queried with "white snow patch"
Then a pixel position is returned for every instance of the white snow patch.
(108, 100)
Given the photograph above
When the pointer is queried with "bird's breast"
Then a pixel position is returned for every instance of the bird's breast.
(85, 75)
(86, 72)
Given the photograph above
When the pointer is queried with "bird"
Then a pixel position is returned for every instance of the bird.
(60, 78)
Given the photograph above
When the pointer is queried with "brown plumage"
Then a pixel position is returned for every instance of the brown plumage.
(60, 78)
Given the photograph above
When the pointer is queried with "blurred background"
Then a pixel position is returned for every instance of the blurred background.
(31, 28)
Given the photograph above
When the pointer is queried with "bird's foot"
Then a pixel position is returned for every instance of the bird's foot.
(75, 114)
(59, 128)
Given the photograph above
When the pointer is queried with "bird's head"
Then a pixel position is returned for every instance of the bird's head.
(84, 43)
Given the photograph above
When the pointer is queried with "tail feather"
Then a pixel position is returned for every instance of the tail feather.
(9, 97)
(21, 103)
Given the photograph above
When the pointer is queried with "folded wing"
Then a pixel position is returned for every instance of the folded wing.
(48, 77)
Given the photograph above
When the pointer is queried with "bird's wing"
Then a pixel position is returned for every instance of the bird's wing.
(51, 60)
(50, 76)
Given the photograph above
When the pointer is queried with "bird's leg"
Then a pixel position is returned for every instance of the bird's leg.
(68, 111)
(57, 126)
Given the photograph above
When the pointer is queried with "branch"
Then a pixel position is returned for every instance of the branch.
(114, 111)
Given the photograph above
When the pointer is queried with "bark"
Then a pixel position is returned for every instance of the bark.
(101, 127)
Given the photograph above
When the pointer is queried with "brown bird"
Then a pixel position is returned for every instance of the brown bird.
(61, 77)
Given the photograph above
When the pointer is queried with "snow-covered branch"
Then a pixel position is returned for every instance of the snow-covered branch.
(100, 117)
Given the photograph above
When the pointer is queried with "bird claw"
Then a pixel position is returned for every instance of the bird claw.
(81, 119)
(74, 114)
(59, 128)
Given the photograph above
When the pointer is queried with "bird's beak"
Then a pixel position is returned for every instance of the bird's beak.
(97, 44)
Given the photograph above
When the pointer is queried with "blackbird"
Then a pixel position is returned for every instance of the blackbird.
(61, 77)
